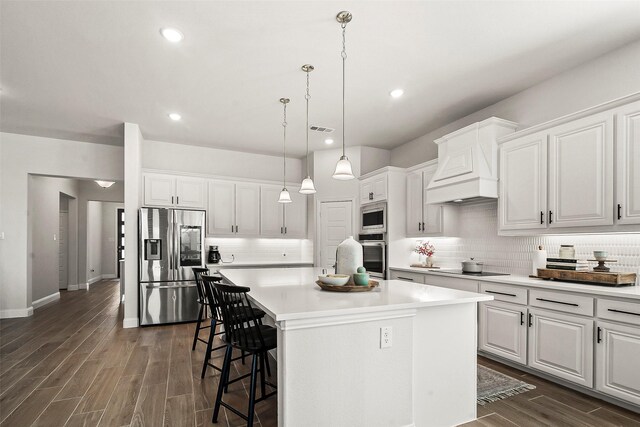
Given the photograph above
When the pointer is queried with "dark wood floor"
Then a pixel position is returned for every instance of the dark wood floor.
(73, 364)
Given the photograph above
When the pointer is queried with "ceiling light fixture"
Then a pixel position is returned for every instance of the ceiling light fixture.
(343, 170)
(175, 117)
(172, 34)
(458, 200)
(328, 141)
(285, 197)
(104, 184)
(307, 186)
(396, 93)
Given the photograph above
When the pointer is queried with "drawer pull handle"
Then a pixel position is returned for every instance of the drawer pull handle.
(623, 312)
(521, 318)
(550, 217)
(541, 217)
(501, 293)
(530, 320)
(405, 278)
(599, 335)
(558, 302)
(619, 211)
(419, 226)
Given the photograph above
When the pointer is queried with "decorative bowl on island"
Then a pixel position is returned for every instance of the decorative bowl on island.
(334, 279)
(600, 255)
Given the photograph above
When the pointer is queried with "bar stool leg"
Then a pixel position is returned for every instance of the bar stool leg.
(222, 384)
(252, 390)
(207, 355)
(263, 390)
(195, 337)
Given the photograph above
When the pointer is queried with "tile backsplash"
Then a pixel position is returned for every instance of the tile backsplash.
(249, 250)
(478, 238)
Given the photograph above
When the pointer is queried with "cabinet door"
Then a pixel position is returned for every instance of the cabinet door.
(628, 164)
(295, 216)
(523, 183)
(380, 189)
(581, 172)
(190, 192)
(366, 192)
(159, 190)
(617, 352)
(432, 214)
(503, 330)
(248, 209)
(271, 212)
(414, 204)
(221, 208)
(561, 345)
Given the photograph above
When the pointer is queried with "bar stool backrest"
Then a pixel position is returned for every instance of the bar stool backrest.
(197, 273)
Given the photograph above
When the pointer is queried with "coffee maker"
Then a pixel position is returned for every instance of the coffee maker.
(214, 255)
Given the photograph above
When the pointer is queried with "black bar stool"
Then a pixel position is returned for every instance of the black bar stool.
(202, 302)
(243, 331)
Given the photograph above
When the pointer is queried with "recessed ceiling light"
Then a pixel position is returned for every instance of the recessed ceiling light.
(396, 93)
(458, 200)
(175, 116)
(172, 34)
(328, 141)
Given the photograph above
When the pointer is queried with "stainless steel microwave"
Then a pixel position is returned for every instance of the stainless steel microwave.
(373, 218)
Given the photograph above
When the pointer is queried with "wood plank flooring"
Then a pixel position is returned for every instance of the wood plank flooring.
(73, 364)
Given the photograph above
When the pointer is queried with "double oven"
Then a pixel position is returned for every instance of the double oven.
(374, 249)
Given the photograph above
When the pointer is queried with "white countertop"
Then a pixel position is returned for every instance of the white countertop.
(620, 292)
(291, 293)
(258, 264)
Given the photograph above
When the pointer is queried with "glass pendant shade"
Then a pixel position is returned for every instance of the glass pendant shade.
(343, 170)
(307, 186)
(285, 197)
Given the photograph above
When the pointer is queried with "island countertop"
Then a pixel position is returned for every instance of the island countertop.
(291, 294)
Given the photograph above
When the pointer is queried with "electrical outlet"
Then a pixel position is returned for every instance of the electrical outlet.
(386, 336)
(284, 254)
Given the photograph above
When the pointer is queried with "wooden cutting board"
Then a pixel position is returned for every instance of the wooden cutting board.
(593, 277)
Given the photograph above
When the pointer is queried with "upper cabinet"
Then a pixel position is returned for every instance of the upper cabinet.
(286, 220)
(233, 208)
(373, 189)
(176, 191)
(628, 164)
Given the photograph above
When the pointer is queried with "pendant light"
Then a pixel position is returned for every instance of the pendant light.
(343, 170)
(285, 197)
(307, 186)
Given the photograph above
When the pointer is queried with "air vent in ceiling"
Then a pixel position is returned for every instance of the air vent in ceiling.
(321, 129)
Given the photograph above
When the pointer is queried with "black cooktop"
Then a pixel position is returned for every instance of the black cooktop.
(484, 273)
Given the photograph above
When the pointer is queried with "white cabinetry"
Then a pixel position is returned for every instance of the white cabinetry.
(373, 189)
(247, 209)
(287, 220)
(171, 190)
(233, 208)
(628, 164)
(503, 330)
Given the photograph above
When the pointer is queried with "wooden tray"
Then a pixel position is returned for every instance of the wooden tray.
(421, 266)
(347, 288)
(592, 277)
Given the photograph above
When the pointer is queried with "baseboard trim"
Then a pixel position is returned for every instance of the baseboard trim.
(94, 280)
(108, 276)
(16, 312)
(73, 287)
(46, 300)
(130, 322)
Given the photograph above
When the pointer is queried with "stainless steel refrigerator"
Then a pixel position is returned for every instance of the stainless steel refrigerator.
(171, 243)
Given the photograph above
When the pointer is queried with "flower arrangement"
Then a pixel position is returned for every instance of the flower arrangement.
(425, 248)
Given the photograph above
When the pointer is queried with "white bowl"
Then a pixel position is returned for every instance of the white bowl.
(334, 279)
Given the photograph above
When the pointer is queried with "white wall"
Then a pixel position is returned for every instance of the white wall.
(20, 156)
(212, 161)
(373, 158)
(94, 241)
(109, 238)
(608, 77)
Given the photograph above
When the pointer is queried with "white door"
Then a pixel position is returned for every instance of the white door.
(190, 192)
(271, 212)
(295, 216)
(561, 345)
(523, 183)
(159, 190)
(503, 330)
(247, 209)
(617, 351)
(336, 224)
(221, 208)
(581, 172)
(628, 164)
(63, 251)
(414, 204)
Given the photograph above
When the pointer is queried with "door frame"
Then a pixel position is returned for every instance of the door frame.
(355, 209)
(118, 223)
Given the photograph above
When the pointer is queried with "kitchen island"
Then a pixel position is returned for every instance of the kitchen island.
(332, 369)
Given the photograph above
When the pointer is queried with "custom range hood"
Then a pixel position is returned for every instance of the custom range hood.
(468, 162)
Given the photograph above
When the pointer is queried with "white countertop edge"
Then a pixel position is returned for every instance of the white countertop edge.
(629, 292)
(220, 266)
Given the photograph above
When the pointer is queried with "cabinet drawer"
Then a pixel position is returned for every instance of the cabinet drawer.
(620, 311)
(506, 293)
(409, 277)
(452, 283)
(558, 301)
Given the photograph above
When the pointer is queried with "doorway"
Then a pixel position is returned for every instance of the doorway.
(336, 224)
(120, 238)
(63, 243)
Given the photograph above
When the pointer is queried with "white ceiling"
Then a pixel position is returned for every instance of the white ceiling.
(78, 69)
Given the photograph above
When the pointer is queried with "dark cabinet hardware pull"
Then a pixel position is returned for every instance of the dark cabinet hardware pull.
(541, 217)
(521, 318)
(558, 302)
(236, 228)
(177, 200)
(281, 230)
(599, 335)
(423, 229)
(530, 320)
(370, 196)
(285, 230)
(619, 211)
(232, 228)
(419, 227)
(405, 278)
(550, 217)
(171, 199)
(623, 312)
(500, 293)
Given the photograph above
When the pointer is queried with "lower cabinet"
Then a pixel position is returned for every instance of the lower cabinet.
(618, 361)
(503, 330)
(561, 345)
(407, 277)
